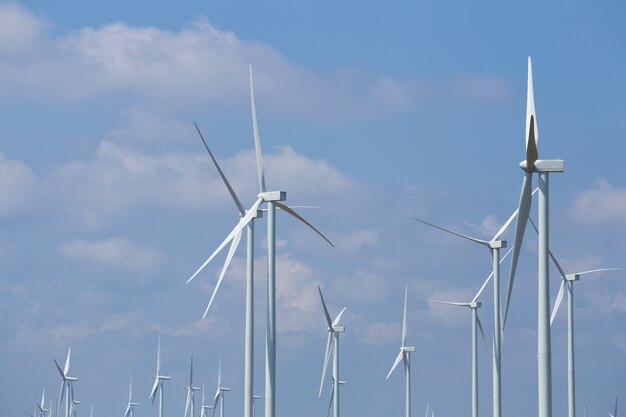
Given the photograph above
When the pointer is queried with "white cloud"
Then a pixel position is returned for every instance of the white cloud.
(480, 88)
(117, 253)
(600, 205)
(375, 333)
(17, 185)
(19, 28)
(354, 241)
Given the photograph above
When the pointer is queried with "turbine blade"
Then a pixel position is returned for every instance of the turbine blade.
(473, 239)
(130, 389)
(404, 321)
(427, 405)
(328, 319)
(480, 327)
(297, 216)
(191, 374)
(326, 357)
(395, 363)
(230, 188)
(242, 223)
(615, 409)
(480, 291)
(554, 261)
(447, 302)
(61, 395)
(154, 389)
(66, 369)
(557, 303)
(336, 321)
(520, 228)
(59, 368)
(128, 410)
(598, 270)
(219, 372)
(532, 134)
(257, 140)
(187, 402)
(231, 252)
(332, 395)
(158, 356)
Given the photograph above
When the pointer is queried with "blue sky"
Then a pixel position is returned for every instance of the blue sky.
(375, 113)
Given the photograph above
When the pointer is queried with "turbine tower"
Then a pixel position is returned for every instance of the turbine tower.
(249, 326)
(191, 400)
(405, 356)
(130, 408)
(67, 389)
(494, 245)
(531, 164)
(158, 380)
(333, 330)
(219, 393)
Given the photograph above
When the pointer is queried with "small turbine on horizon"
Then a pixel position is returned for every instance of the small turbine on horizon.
(219, 393)
(158, 380)
(130, 408)
(67, 387)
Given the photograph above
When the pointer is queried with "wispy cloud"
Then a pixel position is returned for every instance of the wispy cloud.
(17, 183)
(602, 204)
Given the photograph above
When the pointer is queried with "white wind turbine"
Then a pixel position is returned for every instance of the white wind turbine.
(130, 408)
(67, 389)
(219, 393)
(405, 356)
(568, 280)
(531, 164)
(158, 380)
(40, 405)
(249, 326)
(273, 200)
(614, 414)
(494, 245)
(204, 407)
(191, 401)
(333, 330)
(74, 406)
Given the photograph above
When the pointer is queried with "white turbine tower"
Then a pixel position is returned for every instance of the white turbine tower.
(130, 408)
(67, 389)
(494, 245)
(531, 164)
(249, 326)
(568, 280)
(158, 380)
(191, 400)
(219, 393)
(333, 330)
(405, 356)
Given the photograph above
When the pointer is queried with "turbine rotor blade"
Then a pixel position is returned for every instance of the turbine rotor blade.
(154, 389)
(66, 369)
(326, 358)
(404, 321)
(332, 395)
(59, 368)
(557, 303)
(520, 228)
(554, 261)
(447, 302)
(395, 363)
(480, 291)
(187, 402)
(242, 223)
(328, 319)
(336, 321)
(532, 135)
(480, 327)
(228, 186)
(257, 140)
(473, 239)
(297, 216)
(598, 270)
(231, 252)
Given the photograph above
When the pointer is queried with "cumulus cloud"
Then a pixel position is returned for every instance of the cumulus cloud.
(19, 28)
(117, 253)
(17, 184)
(602, 204)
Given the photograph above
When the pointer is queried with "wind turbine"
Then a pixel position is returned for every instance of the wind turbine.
(494, 245)
(158, 380)
(130, 408)
(219, 393)
(254, 398)
(204, 406)
(568, 280)
(42, 404)
(405, 356)
(74, 406)
(67, 389)
(190, 392)
(333, 330)
(531, 164)
(249, 326)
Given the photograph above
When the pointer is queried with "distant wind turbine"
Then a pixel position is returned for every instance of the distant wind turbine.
(614, 410)
(67, 389)
(130, 408)
(405, 356)
(191, 401)
(40, 405)
(531, 164)
(494, 245)
(158, 380)
(219, 393)
(204, 407)
(333, 330)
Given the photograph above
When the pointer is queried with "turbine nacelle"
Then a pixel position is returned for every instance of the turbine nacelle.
(544, 165)
(474, 304)
(572, 277)
(269, 196)
(337, 329)
(407, 349)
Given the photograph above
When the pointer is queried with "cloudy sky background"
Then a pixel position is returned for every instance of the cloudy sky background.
(375, 113)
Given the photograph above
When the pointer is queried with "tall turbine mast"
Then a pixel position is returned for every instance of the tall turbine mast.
(532, 164)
